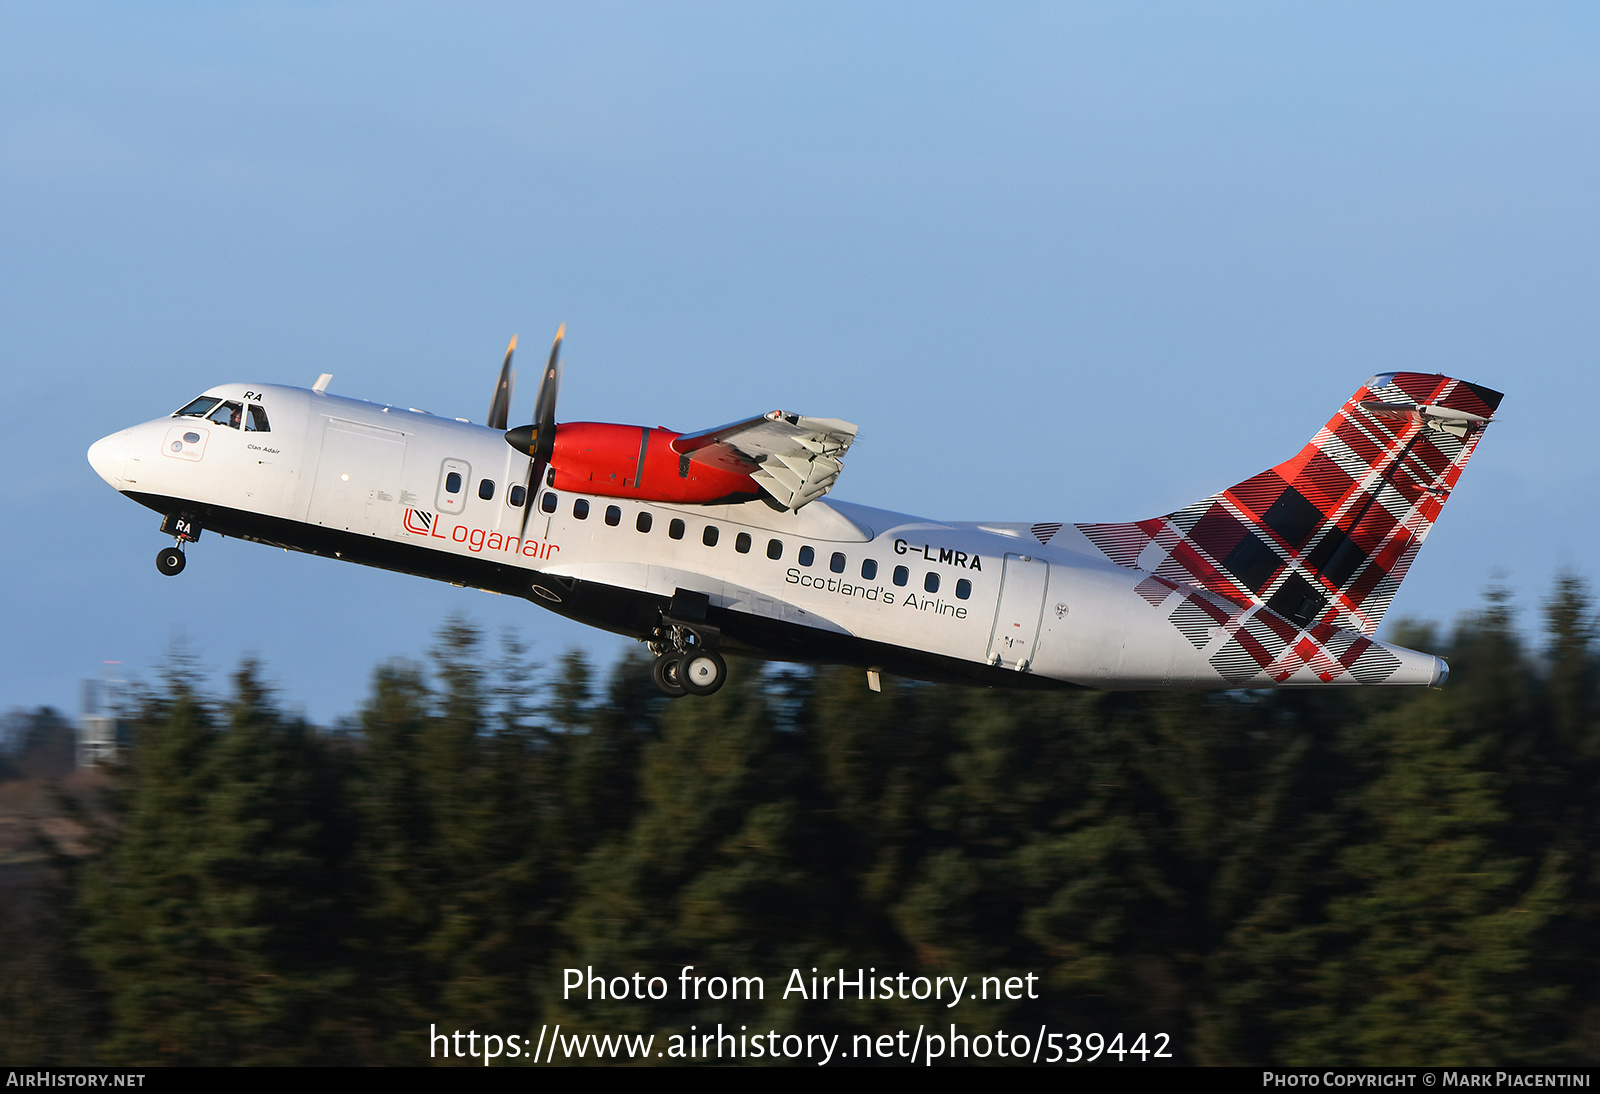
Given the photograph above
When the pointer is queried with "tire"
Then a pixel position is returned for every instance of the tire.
(170, 561)
(702, 671)
(668, 676)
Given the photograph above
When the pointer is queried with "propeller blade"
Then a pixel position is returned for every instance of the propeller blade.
(536, 468)
(544, 406)
(500, 405)
(538, 440)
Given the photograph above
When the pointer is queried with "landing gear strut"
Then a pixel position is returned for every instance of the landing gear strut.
(687, 662)
(170, 560)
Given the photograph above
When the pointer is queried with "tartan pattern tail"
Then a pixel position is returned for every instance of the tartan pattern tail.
(1320, 543)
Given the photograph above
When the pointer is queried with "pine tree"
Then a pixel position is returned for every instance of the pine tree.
(706, 875)
(454, 801)
(214, 916)
(1427, 947)
(1556, 805)
(1573, 676)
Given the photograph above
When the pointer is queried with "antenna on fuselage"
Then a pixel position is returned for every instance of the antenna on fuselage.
(321, 386)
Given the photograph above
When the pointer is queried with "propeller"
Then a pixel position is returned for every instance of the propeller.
(500, 405)
(538, 440)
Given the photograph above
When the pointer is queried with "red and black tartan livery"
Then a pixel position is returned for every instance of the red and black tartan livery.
(1294, 568)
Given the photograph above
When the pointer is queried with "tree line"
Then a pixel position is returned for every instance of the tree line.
(1333, 877)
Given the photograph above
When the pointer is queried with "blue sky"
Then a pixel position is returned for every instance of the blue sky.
(1059, 262)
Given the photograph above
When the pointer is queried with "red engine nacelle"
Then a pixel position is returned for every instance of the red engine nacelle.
(630, 461)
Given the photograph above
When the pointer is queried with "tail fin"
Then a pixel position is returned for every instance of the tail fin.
(1322, 540)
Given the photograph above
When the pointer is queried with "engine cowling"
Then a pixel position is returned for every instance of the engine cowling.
(630, 461)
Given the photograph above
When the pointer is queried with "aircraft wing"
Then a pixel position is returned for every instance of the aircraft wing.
(793, 458)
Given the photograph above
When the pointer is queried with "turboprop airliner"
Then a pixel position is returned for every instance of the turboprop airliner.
(722, 541)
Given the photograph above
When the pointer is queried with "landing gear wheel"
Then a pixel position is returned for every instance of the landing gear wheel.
(668, 675)
(170, 561)
(702, 671)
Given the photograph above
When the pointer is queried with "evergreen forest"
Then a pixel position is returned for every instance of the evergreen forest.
(1348, 876)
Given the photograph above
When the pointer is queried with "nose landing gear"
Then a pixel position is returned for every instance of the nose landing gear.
(170, 560)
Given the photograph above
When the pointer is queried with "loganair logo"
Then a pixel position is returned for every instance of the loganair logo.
(433, 526)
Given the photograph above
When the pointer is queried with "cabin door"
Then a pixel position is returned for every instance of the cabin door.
(1018, 615)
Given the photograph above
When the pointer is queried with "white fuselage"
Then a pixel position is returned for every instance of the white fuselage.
(831, 582)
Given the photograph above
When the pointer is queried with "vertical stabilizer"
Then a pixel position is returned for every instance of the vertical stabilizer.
(1318, 545)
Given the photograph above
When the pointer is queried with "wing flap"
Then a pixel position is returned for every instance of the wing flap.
(793, 458)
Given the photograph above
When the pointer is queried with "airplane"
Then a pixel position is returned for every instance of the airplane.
(722, 541)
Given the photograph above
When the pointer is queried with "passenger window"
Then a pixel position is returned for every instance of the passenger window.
(869, 568)
(643, 523)
(807, 556)
(931, 582)
(580, 508)
(519, 494)
(774, 548)
(227, 414)
(486, 489)
(452, 483)
(256, 420)
(963, 589)
(901, 575)
(836, 563)
(198, 408)
(709, 536)
(741, 543)
(613, 515)
(675, 529)
(548, 503)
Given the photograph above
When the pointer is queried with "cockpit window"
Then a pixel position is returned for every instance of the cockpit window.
(256, 421)
(227, 414)
(198, 408)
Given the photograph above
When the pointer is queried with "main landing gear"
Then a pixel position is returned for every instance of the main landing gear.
(687, 662)
(685, 667)
(170, 560)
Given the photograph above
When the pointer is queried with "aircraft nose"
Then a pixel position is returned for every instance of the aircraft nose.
(109, 457)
